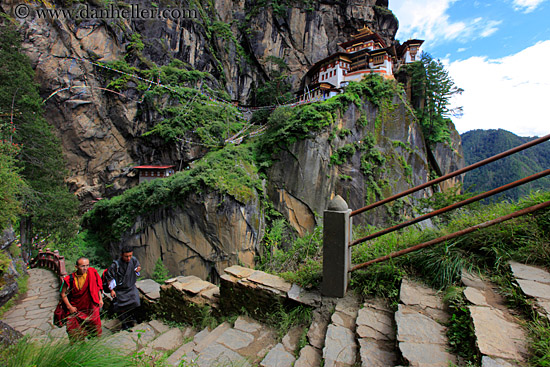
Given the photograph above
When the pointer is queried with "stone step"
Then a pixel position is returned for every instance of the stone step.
(535, 283)
(340, 347)
(246, 343)
(376, 334)
(419, 319)
(499, 337)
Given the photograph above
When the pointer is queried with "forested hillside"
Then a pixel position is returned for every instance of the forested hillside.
(481, 144)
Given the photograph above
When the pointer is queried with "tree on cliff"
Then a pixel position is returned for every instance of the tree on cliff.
(48, 207)
(433, 87)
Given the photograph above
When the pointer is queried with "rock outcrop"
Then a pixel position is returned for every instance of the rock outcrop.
(233, 41)
(206, 234)
(302, 180)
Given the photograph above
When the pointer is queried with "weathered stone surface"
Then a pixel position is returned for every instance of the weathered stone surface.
(318, 329)
(184, 352)
(475, 296)
(426, 355)
(211, 337)
(235, 339)
(376, 354)
(530, 272)
(300, 295)
(169, 340)
(417, 294)
(271, 281)
(417, 328)
(201, 335)
(375, 324)
(149, 288)
(239, 271)
(340, 346)
(342, 319)
(247, 324)
(497, 362)
(197, 286)
(497, 336)
(472, 280)
(217, 355)
(291, 339)
(309, 357)
(534, 289)
(278, 357)
(212, 294)
(158, 326)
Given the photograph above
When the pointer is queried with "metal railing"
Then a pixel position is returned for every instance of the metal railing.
(338, 224)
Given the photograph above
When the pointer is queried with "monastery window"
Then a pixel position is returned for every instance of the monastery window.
(376, 60)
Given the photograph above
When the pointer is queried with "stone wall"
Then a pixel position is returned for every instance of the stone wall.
(188, 299)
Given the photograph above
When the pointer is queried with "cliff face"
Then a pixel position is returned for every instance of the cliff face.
(303, 180)
(233, 41)
(202, 237)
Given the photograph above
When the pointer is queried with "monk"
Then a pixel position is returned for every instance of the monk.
(83, 298)
(122, 276)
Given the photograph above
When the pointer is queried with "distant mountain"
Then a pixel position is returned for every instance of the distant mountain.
(480, 144)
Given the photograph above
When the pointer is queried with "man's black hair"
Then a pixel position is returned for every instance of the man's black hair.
(126, 249)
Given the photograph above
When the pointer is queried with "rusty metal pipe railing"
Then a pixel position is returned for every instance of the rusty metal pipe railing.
(452, 174)
(453, 206)
(453, 235)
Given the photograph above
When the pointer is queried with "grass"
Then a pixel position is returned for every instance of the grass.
(95, 353)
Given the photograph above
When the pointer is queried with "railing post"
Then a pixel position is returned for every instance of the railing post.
(336, 250)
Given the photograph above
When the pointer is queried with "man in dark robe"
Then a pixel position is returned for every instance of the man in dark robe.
(122, 276)
(83, 297)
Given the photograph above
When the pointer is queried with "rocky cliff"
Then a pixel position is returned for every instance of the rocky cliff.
(233, 41)
(105, 117)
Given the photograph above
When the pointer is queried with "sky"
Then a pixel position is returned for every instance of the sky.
(498, 51)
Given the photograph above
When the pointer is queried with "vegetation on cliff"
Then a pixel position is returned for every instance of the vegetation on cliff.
(31, 163)
(431, 89)
(481, 144)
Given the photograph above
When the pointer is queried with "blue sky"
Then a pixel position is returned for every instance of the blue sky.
(498, 51)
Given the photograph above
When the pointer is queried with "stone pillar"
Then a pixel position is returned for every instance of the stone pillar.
(336, 250)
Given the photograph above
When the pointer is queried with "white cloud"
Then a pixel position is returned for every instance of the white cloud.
(428, 20)
(527, 6)
(510, 93)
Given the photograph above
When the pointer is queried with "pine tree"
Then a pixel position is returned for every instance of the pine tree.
(432, 85)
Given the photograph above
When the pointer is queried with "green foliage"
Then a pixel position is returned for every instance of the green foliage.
(87, 244)
(431, 83)
(277, 89)
(288, 125)
(342, 154)
(539, 342)
(298, 261)
(94, 353)
(228, 171)
(481, 144)
(460, 330)
(44, 196)
(283, 319)
(524, 239)
(160, 272)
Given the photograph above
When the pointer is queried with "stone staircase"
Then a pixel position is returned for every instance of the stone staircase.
(343, 332)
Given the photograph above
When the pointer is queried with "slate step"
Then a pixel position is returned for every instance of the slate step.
(421, 334)
(499, 337)
(535, 283)
(376, 334)
(340, 347)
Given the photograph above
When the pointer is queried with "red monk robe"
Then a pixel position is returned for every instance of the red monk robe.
(84, 303)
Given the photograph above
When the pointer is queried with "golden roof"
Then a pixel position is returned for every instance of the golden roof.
(363, 32)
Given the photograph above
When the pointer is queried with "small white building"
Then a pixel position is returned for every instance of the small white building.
(149, 173)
